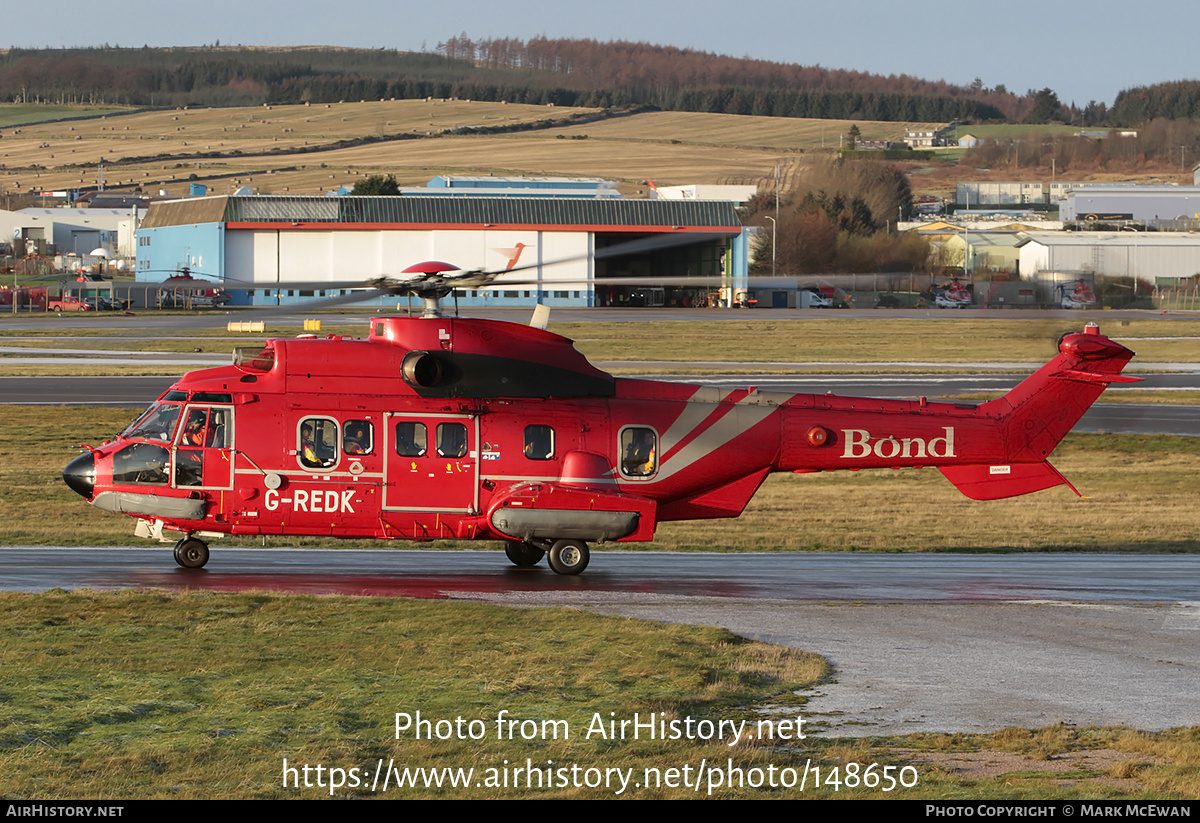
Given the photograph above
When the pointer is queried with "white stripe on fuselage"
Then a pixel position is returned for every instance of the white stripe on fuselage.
(738, 418)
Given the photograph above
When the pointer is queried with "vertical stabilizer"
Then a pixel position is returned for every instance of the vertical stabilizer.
(1039, 412)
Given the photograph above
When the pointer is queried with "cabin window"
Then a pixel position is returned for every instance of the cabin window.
(639, 451)
(410, 439)
(317, 443)
(539, 442)
(359, 437)
(451, 440)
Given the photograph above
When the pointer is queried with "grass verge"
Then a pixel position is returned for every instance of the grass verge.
(130, 695)
(949, 341)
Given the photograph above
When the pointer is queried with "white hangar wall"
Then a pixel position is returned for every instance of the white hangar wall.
(268, 256)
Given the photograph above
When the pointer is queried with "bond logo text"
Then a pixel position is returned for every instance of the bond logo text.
(858, 444)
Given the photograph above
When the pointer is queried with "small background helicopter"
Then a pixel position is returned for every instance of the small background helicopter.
(449, 427)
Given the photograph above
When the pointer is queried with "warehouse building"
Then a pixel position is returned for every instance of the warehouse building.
(1158, 258)
(1106, 203)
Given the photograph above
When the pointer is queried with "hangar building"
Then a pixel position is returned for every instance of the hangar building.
(561, 245)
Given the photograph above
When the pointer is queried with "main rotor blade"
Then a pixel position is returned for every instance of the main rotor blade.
(316, 305)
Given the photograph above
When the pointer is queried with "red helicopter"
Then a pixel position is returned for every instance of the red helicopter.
(446, 427)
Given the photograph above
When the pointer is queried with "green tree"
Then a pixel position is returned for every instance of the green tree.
(1046, 107)
(852, 136)
(376, 184)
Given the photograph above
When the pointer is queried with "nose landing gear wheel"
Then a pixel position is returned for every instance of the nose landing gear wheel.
(569, 556)
(522, 554)
(191, 553)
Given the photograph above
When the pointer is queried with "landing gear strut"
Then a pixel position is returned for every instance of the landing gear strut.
(523, 555)
(191, 553)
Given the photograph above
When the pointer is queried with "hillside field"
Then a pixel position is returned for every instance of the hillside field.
(285, 149)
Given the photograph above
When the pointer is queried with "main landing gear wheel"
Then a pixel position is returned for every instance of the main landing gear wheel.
(191, 553)
(523, 555)
(569, 556)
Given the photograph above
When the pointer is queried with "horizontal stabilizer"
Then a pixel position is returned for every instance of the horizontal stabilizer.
(988, 482)
(1094, 377)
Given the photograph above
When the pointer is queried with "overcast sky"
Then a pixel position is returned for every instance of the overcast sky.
(1084, 51)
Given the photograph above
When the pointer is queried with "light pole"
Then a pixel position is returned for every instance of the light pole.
(772, 219)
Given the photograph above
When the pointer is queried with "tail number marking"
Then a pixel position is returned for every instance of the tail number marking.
(315, 500)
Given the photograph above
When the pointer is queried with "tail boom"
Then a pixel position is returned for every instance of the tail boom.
(994, 450)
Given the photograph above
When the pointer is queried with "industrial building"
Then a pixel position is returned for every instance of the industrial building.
(1129, 202)
(563, 246)
(70, 231)
(999, 193)
(978, 252)
(489, 186)
(1158, 258)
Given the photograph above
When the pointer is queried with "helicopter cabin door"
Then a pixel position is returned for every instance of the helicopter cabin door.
(203, 449)
(432, 463)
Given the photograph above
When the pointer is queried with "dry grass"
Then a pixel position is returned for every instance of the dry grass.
(1058, 762)
(956, 340)
(668, 147)
(776, 133)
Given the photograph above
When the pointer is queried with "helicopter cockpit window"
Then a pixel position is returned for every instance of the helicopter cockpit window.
(451, 440)
(141, 463)
(317, 446)
(359, 437)
(539, 442)
(157, 423)
(411, 439)
(205, 428)
(639, 449)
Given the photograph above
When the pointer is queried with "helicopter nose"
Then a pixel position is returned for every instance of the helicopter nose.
(80, 474)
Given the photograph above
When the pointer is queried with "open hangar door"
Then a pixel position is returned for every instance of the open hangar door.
(655, 263)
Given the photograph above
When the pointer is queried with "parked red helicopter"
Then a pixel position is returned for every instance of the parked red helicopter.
(446, 427)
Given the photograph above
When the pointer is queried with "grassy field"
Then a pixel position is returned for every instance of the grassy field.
(157, 149)
(284, 149)
(1002, 131)
(198, 695)
(131, 695)
(875, 340)
(955, 341)
(24, 114)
